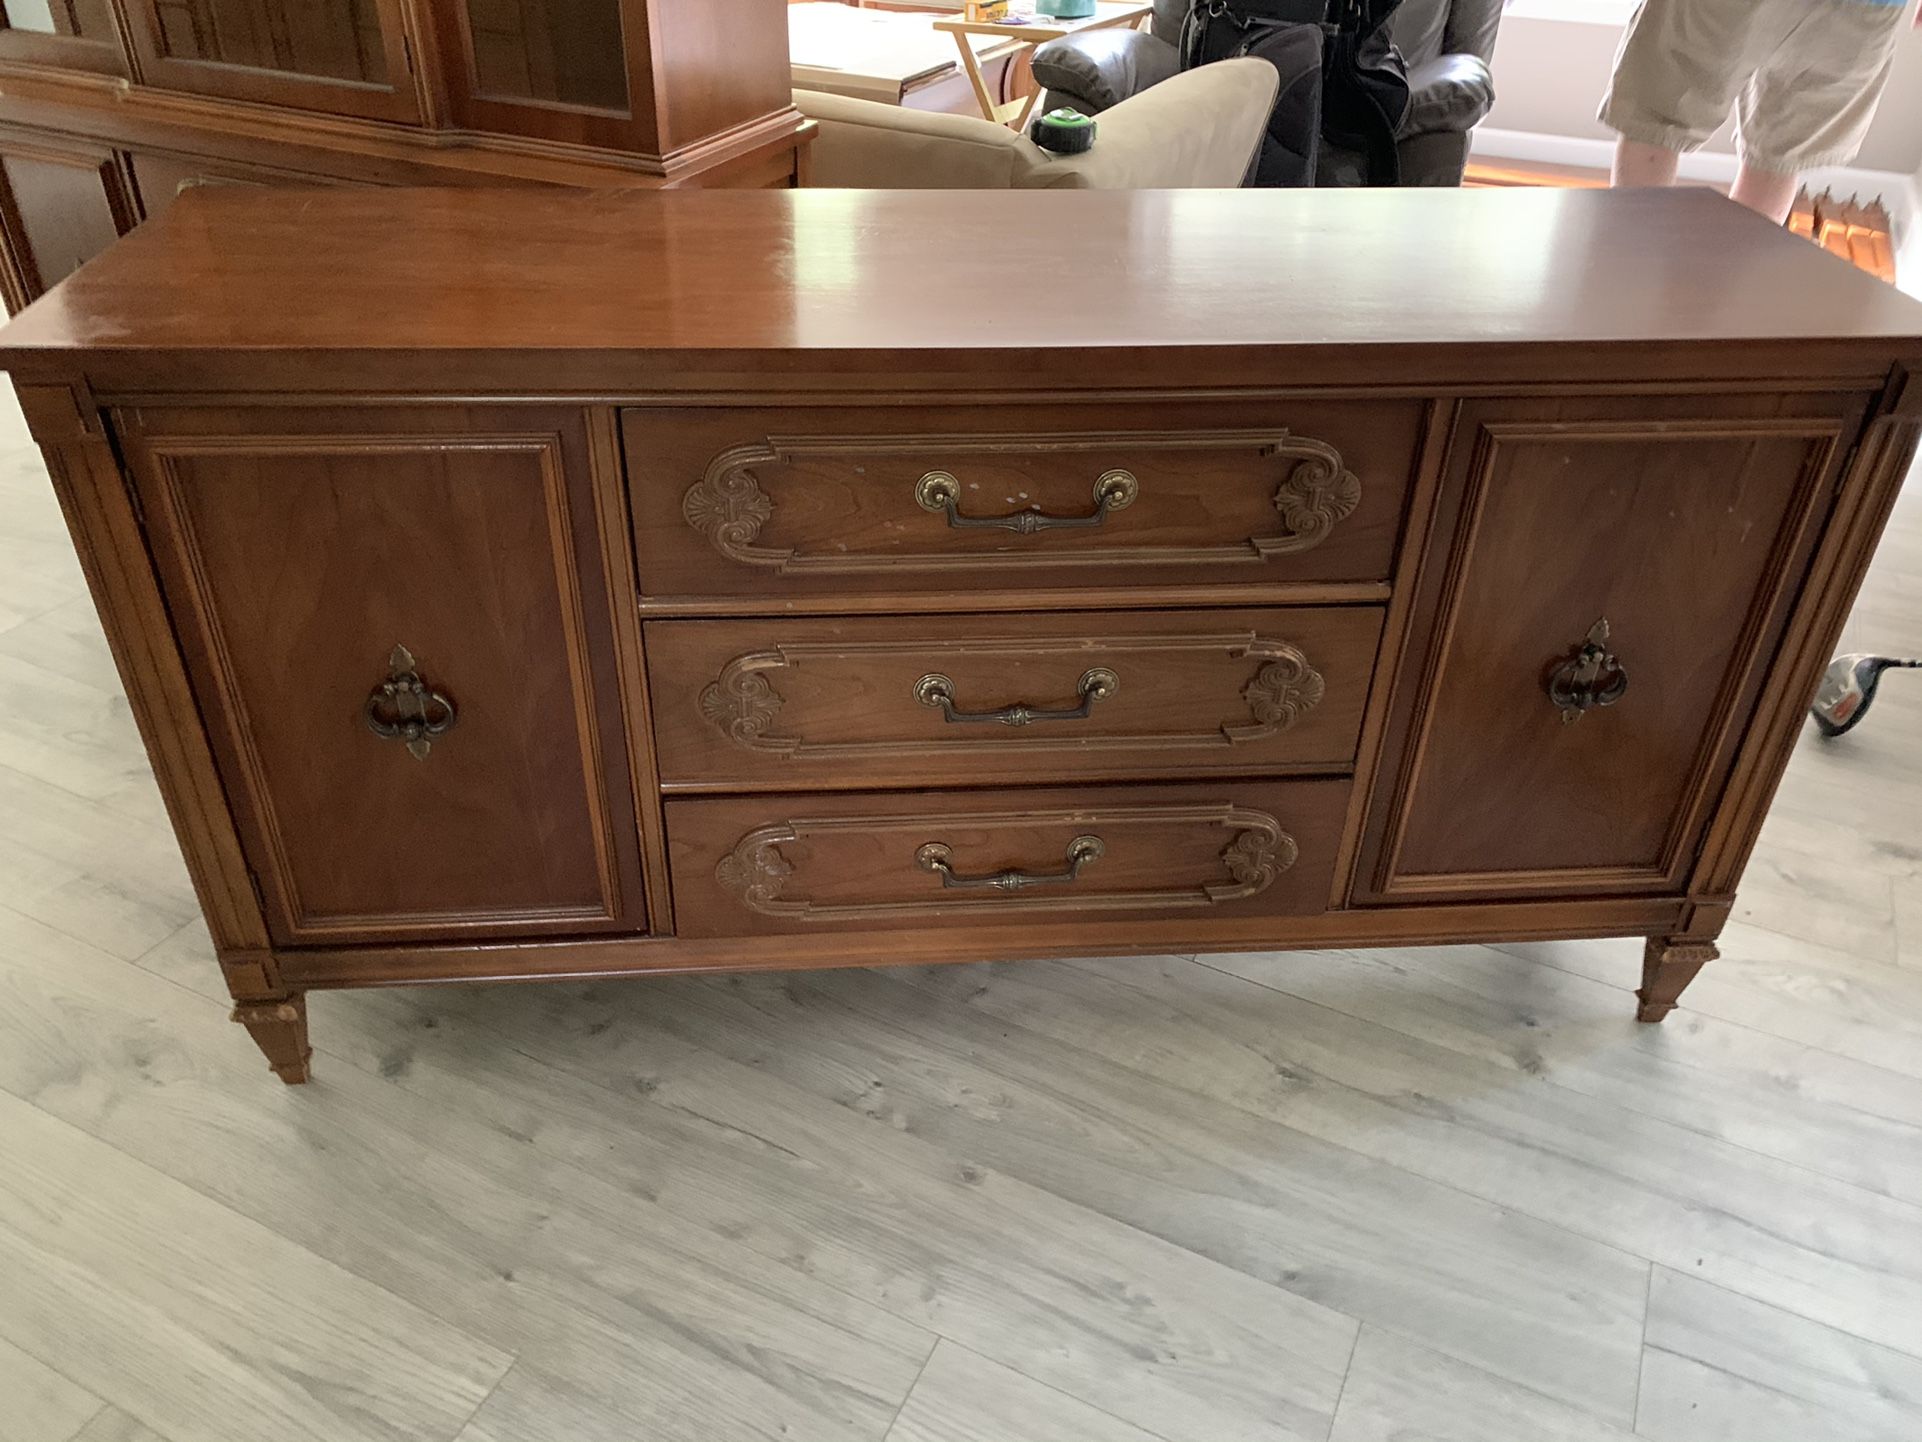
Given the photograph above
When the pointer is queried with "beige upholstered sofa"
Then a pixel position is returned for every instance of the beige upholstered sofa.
(1197, 129)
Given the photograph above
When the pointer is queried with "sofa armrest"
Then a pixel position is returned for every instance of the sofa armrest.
(1199, 129)
(1098, 70)
(1450, 92)
(863, 144)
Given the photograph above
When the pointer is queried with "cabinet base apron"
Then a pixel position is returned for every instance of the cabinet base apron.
(579, 586)
(1668, 968)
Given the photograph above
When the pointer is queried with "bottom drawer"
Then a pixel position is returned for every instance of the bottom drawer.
(849, 863)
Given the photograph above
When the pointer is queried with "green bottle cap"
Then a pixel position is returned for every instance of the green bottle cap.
(1063, 131)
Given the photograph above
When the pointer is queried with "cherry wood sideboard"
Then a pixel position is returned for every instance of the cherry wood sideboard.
(601, 584)
(107, 107)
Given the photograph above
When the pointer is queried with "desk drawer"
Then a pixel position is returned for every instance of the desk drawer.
(840, 500)
(969, 699)
(748, 865)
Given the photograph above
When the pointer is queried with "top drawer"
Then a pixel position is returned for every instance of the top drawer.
(849, 500)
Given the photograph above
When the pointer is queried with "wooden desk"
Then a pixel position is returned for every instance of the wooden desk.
(566, 584)
(1038, 30)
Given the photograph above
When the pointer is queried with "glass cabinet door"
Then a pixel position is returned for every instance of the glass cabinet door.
(559, 52)
(557, 69)
(75, 34)
(349, 57)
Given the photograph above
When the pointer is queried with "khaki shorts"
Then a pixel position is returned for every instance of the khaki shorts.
(1804, 76)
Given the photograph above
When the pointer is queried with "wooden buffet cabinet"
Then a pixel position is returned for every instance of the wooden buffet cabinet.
(657, 583)
(107, 107)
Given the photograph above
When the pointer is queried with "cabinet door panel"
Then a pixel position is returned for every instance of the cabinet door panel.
(297, 553)
(559, 52)
(60, 206)
(1682, 527)
(650, 78)
(347, 57)
(69, 34)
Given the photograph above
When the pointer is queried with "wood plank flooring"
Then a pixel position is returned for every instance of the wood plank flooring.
(1451, 1193)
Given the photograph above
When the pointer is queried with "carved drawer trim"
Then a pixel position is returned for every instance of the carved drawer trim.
(1257, 852)
(1313, 494)
(743, 705)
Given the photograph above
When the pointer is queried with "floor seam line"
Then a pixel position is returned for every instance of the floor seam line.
(908, 1396)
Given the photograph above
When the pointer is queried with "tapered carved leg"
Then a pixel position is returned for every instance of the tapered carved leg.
(1668, 965)
(279, 1029)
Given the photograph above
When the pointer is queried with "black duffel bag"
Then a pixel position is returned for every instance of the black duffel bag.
(1364, 84)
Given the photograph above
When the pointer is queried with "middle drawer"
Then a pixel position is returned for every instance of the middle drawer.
(970, 699)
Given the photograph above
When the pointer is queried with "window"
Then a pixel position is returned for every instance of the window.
(1583, 12)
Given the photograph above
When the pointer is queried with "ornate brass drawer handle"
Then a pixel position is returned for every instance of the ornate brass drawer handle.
(1591, 677)
(406, 708)
(1097, 684)
(939, 491)
(933, 856)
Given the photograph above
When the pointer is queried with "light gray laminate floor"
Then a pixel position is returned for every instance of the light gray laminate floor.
(1451, 1193)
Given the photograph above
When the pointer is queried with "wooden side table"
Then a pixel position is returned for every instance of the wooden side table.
(892, 56)
(1038, 30)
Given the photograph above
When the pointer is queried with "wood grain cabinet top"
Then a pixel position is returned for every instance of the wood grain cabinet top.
(514, 586)
(877, 291)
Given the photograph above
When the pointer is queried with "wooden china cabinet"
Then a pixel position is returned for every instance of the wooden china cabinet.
(107, 107)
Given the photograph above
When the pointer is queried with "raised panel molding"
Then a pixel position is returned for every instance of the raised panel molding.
(729, 505)
(759, 873)
(296, 917)
(62, 202)
(1426, 674)
(743, 703)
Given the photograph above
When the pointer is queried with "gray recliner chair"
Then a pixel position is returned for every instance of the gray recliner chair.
(1447, 44)
(1095, 71)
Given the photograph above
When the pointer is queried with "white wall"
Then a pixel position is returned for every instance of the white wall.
(1908, 265)
(1550, 75)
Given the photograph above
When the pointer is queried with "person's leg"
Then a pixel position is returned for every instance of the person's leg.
(1639, 163)
(1767, 192)
(1811, 103)
(1677, 73)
